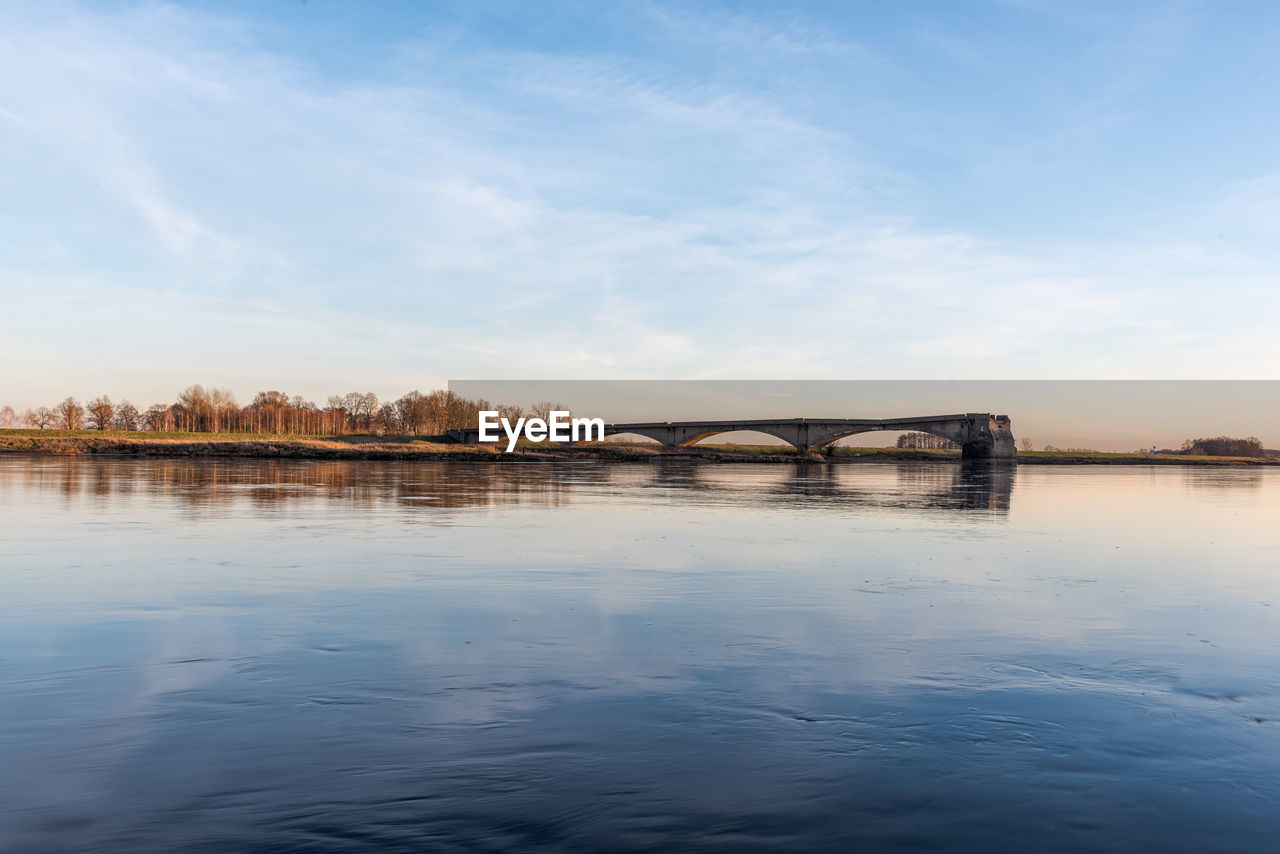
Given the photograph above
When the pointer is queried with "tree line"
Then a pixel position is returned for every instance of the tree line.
(1224, 446)
(215, 410)
(925, 441)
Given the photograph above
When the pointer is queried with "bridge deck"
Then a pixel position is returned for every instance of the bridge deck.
(764, 422)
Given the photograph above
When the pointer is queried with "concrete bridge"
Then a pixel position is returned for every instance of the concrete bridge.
(979, 435)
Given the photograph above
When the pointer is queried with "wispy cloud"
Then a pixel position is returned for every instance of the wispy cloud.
(464, 207)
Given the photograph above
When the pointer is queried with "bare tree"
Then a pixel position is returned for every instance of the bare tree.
(1224, 446)
(127, 417)
(159, 417)
(358, 410)
(543, 409)
(70, 414)
(209, 409)
(367, 410)
(926, 441)
(8, 418)
(511, 412)
(1025, 444)
(271, 398)
(414, 411)
(101, 413)
(389, 419)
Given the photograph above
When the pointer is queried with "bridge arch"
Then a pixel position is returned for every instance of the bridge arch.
(941, 432)
(656, 435)
(683, 438)
(693, 440)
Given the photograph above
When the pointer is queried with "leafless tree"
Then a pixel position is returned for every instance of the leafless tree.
(511, 412)
(389, 419)
(271, 398)
(543, 408)
(70, 414)
(1224, 446)
(208, 409)
(127, 417)
(1025, 444)
(925, 441)
(101, 413)
(367, 409)
(413, 410)
(159, 418)
(8, 418)
(41, 417)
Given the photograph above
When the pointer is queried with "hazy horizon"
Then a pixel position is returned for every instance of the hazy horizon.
(1106, 415)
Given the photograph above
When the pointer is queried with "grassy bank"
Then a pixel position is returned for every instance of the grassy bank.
(1110, 458)
(365, 447)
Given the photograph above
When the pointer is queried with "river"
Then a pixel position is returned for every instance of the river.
(314, 656)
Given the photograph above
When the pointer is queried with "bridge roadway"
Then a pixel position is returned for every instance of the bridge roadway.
(979, 435)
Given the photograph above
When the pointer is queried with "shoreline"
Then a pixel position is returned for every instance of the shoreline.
(377, 448)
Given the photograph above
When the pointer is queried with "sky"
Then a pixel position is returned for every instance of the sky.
(320, 197)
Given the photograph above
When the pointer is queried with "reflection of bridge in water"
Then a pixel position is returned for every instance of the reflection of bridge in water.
(979, 435)
(431, 490)
(895, 486)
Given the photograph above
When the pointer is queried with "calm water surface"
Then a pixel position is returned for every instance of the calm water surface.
(262, 656)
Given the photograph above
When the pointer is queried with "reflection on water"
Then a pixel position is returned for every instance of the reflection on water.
(1207, 478)
(293, 656)
(206, 483)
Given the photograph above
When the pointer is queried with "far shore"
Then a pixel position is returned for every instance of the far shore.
(366, 447)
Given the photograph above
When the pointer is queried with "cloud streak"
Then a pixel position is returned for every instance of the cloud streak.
(465, 207)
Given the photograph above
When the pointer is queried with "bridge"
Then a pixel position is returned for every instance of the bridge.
(979, 435)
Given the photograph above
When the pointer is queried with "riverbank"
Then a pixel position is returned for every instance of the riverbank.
(84, 442)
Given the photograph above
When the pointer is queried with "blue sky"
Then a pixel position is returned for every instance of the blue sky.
(320, 196)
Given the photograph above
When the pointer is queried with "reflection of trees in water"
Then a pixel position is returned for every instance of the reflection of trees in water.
(1221, 477)
(204, 483)
(278, 483)
(911, 486)
(966, 485)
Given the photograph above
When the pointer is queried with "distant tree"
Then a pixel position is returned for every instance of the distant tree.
(70, 414)
(201, 408)
(388, 421)
(158, 418)
(127, 416)
(926, 441)
(270, 398)
(8, 418)
(511, 412)
(413, 411)
(357, 408)
(1024, 444)
(543, 408)
(1224, 446)
(101, 413)
(366, 410)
